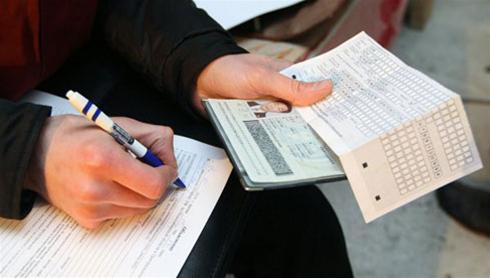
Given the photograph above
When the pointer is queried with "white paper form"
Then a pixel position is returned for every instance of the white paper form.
(398, 133)
(59, 106)
(50, 243)
(230, 13)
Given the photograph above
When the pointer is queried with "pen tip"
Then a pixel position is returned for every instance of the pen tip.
(179, 183)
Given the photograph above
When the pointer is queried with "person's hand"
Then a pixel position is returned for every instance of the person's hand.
(249, 76)
(82, 170)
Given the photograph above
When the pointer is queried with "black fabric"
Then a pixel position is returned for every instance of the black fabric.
(169, 42)
(470, 205)
(20, 126)
(297, 223)
(292, 233)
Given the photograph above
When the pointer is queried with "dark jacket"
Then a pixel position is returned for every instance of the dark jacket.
(170, 42)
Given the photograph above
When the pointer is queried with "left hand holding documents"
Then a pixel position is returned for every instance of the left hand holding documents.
(249, 76)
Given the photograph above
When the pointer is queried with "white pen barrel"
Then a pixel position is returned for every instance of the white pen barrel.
(138, 149)
(90, 110)
(104, 122)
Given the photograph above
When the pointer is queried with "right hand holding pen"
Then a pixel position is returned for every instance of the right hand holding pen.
(82, 170)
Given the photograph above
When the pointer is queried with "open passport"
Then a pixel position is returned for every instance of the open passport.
(394, 132)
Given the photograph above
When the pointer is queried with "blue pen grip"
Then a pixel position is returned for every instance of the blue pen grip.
(151, 159)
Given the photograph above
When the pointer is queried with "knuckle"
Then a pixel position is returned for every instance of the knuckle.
(157, 188)
(71, 121)
(257, 74)
(96, 157)
(167, 132)
(156, 192)
(148, 204)
(89, 224)
(295, 88)
(87, 214)
(142, 211)
(152, 204)
(89, 193)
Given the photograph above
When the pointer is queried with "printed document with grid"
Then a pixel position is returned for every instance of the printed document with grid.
(398, 133)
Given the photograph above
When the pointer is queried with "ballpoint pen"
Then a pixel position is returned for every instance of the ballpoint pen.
(94, 114)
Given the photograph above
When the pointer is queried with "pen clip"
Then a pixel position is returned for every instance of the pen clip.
(121, 136)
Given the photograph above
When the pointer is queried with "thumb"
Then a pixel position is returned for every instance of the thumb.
(295, 92)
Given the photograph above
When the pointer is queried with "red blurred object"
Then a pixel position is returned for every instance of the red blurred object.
(36, 37)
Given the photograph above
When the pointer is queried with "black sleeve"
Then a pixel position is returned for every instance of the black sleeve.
(20, 126)
(169, 41)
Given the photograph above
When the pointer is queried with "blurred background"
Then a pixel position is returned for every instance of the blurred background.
(444, 234)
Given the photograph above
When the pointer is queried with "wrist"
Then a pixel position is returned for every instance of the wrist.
(34, 177)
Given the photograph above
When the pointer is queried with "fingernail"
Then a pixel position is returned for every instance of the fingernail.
(321, 84)
(326, 83)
